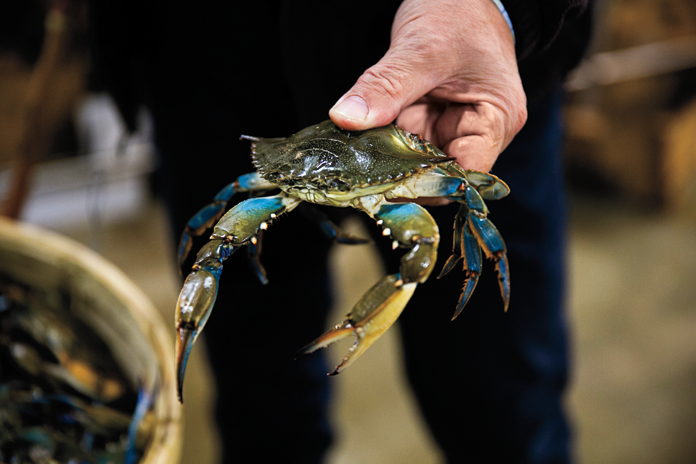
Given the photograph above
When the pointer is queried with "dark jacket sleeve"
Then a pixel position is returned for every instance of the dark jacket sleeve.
(537, 23)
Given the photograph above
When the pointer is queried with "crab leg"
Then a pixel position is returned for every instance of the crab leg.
(488, 238)
(458, 251)
(493, 246)
(411, 226)
(254, 254)
(329, 229)
(208, 215)
(465, 247)
(474, 232)
(488, 186)
(238, 227)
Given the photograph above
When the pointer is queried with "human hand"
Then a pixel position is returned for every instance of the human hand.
(450, 75)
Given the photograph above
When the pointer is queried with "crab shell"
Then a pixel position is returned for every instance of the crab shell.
(339, 164)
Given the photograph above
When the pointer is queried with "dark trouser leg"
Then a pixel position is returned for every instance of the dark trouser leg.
(490, 384)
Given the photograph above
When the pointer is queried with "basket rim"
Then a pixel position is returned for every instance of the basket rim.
(51, 247)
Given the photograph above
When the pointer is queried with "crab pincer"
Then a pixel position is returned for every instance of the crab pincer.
(412, 227)
(240, 226)
(376, 311)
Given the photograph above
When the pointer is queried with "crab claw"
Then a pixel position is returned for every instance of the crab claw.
(411, 226)
(376, 311)
(186, 337)
(238, 227)
(193, 309)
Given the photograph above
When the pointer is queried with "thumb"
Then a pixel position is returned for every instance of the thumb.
(382, 92)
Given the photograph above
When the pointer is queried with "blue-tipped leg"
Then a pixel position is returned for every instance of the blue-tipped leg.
(329, 229)
(474, 233)
(254, 255)
(458, 242)
(493, 246)
(472, 267)
(487, 235)
(206, 218)
(503, 271)
(203, 220)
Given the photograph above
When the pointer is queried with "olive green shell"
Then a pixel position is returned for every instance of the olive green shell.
(326, 157)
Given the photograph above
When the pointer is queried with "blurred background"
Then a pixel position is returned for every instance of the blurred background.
(67, 163)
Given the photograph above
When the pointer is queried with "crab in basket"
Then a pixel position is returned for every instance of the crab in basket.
(326, 165)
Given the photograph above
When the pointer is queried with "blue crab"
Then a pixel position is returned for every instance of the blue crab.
(326, 165)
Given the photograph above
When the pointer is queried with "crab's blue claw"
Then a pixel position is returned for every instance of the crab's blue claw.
(240, 226)
(186, 337)
(193, 309)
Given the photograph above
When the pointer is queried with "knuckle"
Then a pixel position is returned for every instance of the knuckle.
(521, 117)
(384, 79)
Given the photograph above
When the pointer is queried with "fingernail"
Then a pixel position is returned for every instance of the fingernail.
(353, 107)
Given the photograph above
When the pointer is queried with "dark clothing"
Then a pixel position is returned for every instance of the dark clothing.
(489, 384)
(539, 24)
